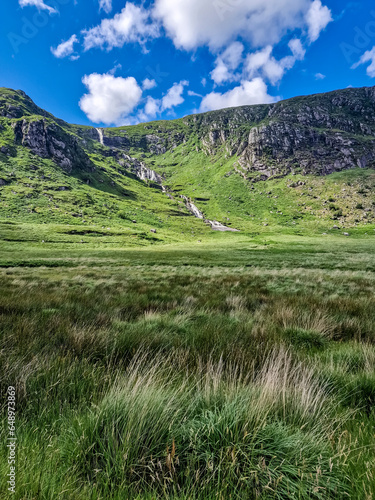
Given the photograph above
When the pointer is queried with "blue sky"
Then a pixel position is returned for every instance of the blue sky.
(113, 62)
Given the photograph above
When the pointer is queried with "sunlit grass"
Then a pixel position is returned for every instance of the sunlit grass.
(246, 373)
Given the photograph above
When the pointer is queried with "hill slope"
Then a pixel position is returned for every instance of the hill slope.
(301, 163)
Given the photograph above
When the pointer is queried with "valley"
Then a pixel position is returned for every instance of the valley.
(233, 167)
(187, 307)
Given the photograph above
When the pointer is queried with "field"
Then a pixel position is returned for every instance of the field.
(242, 367)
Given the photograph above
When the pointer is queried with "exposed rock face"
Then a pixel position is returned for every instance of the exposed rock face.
(139, 169)
(48, 140)
(17, 104)
(145, 173)
(10, 111)
(155, 144)
(117, 142)
(316, 134)
(305, 149)
(150, 143)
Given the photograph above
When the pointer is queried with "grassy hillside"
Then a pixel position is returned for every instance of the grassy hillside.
(36, 191)
(313, 203)
(101, 189)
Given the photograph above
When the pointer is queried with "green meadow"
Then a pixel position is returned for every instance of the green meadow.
(238, 367)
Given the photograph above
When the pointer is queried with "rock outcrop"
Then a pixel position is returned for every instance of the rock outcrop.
(138, 168)
(317, 134)
(48, 140)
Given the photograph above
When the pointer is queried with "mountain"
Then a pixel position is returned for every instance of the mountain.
(304, 162)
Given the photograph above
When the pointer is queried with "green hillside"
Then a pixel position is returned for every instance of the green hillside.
(60, 174)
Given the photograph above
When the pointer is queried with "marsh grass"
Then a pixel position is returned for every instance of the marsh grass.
(233, 431)
(190, 382)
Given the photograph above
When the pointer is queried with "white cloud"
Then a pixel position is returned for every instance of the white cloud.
(368, 56)
(191, 93)
(105, 5)
(319, 76)
(65, 48)
(297, 49)
(262, 63)
(193, 23)
(227, 63)
(132, 25)
(170, 100)
(37, 3)
(249, 92)
(152, 107)
(115, 68)
(174, 96)
(148, 84)
(221, 72)
(318, 17)
(110, 99)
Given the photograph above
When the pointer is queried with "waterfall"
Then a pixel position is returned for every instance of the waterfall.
(101, 137)
(194, 210)
(145, 173)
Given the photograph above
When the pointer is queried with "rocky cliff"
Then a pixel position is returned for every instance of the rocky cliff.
(48, 140)
(317, 134)
(230, 169)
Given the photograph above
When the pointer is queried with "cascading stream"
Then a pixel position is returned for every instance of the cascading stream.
(144, 173)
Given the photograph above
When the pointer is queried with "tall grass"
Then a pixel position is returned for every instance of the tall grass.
(184, 383)
(209, 432)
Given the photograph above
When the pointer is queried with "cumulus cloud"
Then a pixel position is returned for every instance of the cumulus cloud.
(249, 92)
(105, 5)
(227, 63)
(174, 96)
(226, 27)
(263, 63)
(148, 84)
(193, 23)
(66, 48)
(368, 57)
(318, 17)
(132, 24)
(297, 49)
(152, 107)
(109, 99)
(170, 100)
(319, 76)
(37, 3)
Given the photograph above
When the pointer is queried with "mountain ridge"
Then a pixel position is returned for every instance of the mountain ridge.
(269, 139)
(228, 165)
